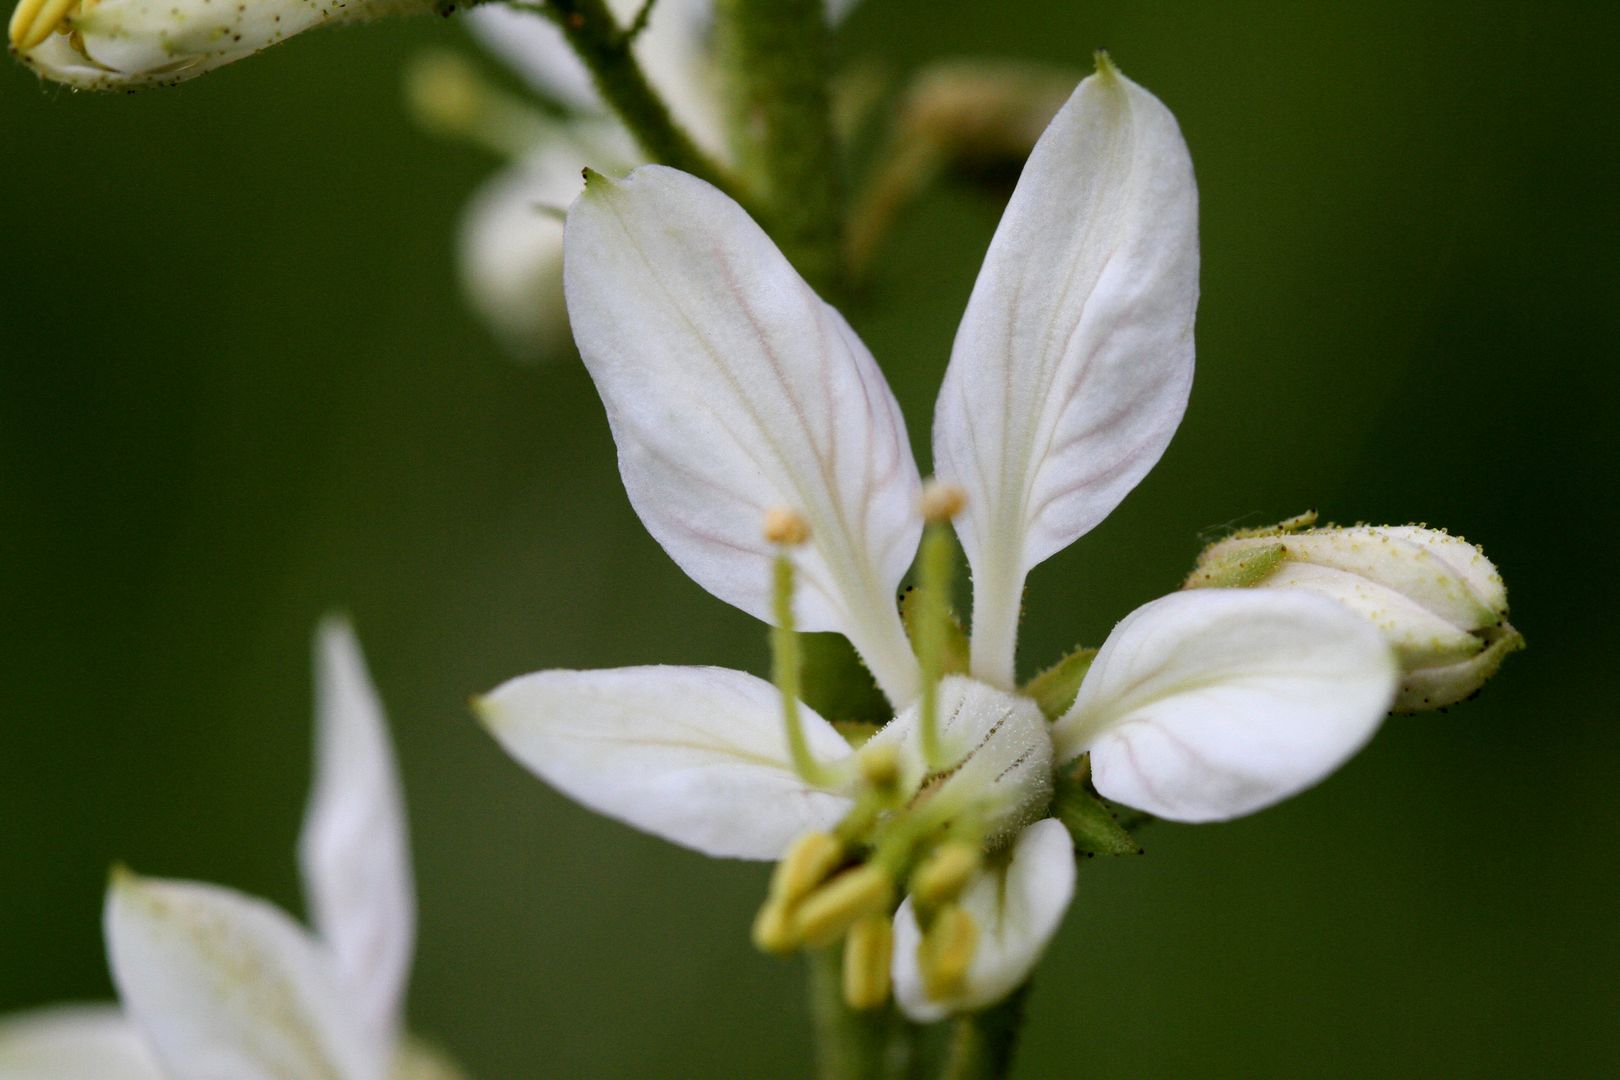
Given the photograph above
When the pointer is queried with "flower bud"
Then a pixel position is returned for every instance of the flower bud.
(1439, 601)
(125, 44)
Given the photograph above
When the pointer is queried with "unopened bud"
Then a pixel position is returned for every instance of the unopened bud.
(942, 502)
(944, 874)
(1438, 600)
(122, 44)
(946, 951)
(807, 863)
(828, 912)
(868, 956)
(786, 527)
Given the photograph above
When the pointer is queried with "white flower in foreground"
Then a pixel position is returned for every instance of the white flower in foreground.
(510, 248)
(217, 985)
(733, 392)
(127, 44)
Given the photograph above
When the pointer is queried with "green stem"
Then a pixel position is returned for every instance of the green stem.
(983, 1043)
(850, 1045)
(778, 57)
(606, 49)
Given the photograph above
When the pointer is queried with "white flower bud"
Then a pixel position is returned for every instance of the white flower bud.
(125, 44)
(1439, 601)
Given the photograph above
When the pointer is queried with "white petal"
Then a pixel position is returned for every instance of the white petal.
(75, 1042)
(511, 256)
(225, 985)
(355, 848)
(1072, 365)
(1017, 908)
(1211, 704)
(732, 389)
(1418, 636)
(695, 755)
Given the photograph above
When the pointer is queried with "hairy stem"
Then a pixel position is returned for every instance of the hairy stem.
(606, 49)
(778, 59)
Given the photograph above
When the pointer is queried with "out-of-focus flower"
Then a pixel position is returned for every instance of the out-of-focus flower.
(736, 396)
(1438, 600)
(214, 983)
(126, 44)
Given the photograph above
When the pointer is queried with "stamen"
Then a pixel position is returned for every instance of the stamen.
(828, 912)
(773, 930)
(945, 952)
(945, 873)
(880, 765)
(785, 529)
(940, 503)
(807, 863)
(868, 956)
(35, 20)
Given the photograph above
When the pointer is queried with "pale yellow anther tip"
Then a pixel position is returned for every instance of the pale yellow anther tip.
(941, 502)
(786, 527)
(807, 863)
(773, 928)
(943, 876)
(880, 764)
(828, 912)
(868, 958)
(35, 20)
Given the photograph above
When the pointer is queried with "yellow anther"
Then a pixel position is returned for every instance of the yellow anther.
(945, 873)
(807, 863)
(35, 20)
(945, 952)
(868, 952)
(845, 900)
(786, 527)
(880, 765)
(941, 502)
(445, 93)
(773, 928)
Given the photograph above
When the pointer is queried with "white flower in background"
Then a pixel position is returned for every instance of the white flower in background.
(217, 985)
(736, 395)
(1439, 601)
(127, 44)
(510, 248)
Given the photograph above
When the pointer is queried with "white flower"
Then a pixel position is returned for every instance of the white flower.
(510, 248)
(217, 985)
(732, 389)
(125, 44)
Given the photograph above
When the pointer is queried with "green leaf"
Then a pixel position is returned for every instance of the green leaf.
(1092, 825)
(956, 641)
(835, 683)
(1054, 689)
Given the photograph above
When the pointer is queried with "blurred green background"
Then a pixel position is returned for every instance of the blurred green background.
(238, 387)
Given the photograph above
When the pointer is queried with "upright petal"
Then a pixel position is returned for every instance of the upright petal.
(1073, 362)
(1208, 705)
(225, 985)
(75, 1042)
(732, 388)
(355, 849)
(1016, 906)
(697, 756)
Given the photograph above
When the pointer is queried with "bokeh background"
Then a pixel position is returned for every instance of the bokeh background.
(238, 388)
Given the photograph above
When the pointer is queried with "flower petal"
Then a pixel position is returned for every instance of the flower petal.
(75, 1042)
(225, 985)
(1211, 704)
(1072, 365)
(695, 755)
(732, 389)
(355, 848)
(1017, 908)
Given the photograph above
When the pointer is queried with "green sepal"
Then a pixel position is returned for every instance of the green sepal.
(1055, 688)
(1092, 825)
(835, 683)
(1238, 570)
(956, 640)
